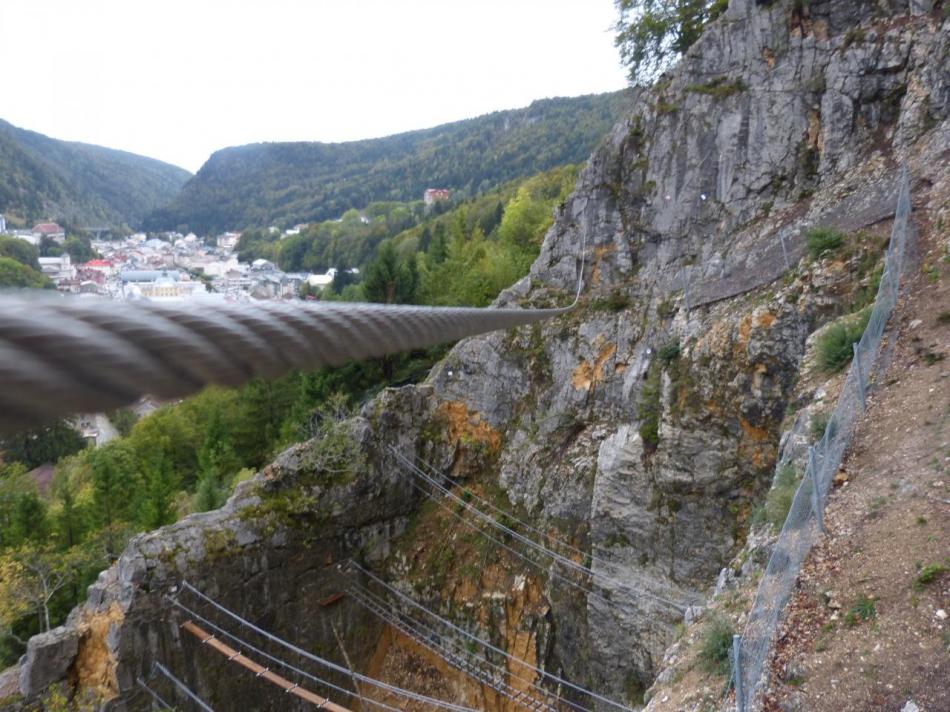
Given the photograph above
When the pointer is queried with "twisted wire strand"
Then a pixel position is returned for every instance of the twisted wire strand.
(69, 355)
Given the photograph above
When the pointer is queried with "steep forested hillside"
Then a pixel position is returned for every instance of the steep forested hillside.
(286, 183)
(41, 178)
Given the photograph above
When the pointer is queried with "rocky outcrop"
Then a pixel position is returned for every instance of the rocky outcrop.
(644, 424)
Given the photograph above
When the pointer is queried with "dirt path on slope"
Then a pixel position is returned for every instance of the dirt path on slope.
(867, 627)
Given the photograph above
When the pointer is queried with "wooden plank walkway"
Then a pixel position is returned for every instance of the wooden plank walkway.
(237, 657)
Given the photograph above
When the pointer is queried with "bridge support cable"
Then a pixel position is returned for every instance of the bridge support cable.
(468, 493)
(183, 687)
(527, 541)
(542, 568)
(393, 689)
(292, 669)
(260, 671)
(485, 644)
(62, 356)
(478, 669)
(557, 559)
(156, 698)
(419, 630)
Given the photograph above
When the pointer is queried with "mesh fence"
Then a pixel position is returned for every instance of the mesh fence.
(805, 518)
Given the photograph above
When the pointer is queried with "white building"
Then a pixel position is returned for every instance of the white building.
(49, 230)
(58, 268)
(228, 240)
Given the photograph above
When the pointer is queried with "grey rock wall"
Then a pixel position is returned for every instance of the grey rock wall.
(776, 120)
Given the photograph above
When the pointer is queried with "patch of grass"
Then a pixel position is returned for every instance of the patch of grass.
(665, 309)
(822, 240)
(665, 107)
(855, 35)
(817, 425)
(866, 295)
(932, 357)
(779, 499)
(715, 645)
(669, 352)
(718, 88)
(944, 316)
(649, 407)
(921, 520)
(863, 609)
(928, 575)
(835, 345)
(616, 301)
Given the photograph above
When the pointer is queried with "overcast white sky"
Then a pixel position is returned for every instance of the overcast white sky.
(178, 79)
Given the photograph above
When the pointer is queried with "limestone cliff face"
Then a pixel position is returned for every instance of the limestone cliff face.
(646, 422)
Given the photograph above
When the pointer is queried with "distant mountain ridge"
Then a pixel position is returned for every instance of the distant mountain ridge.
(264, 184)
(79, 183)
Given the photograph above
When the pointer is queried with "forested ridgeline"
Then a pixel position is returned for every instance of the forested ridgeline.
(287, 183)
(78, 183)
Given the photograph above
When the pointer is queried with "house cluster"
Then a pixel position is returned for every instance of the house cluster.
(49, 230)
(434, 195)
(171, 266)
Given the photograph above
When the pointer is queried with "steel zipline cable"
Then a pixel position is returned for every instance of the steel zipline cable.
(70, 355)
(60, 356)
(315, 658)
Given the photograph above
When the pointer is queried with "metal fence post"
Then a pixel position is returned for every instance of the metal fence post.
(816, 503)
(781, 237)
(737, 671)
(860, 374)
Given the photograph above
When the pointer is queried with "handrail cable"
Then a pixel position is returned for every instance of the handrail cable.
(321, 661)
(162, 705)
(257, 651)
(408, 621)
(182, 686)
(470, 668)
(235, 656)
(424, 634)
(474, 638)
(563, 560)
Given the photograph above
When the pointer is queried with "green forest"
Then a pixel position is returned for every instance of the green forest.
(78, 183)
(187, 457)
(283, 184)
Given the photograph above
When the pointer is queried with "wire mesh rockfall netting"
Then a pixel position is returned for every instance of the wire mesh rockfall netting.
(804, 519)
